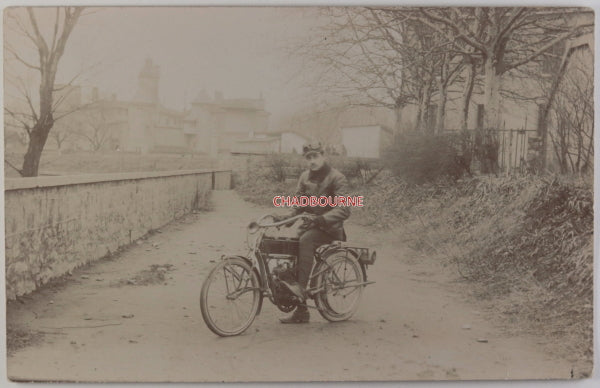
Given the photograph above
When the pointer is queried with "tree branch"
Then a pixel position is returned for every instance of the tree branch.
(56, 22)
(459, 34)
(510, 24)
(546, 47)
(18, 58)
(11, 165)
(39, 39)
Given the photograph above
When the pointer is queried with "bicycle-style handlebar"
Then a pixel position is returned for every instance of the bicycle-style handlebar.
(254, 226)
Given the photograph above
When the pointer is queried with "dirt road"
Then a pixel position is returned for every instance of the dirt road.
(126, 320)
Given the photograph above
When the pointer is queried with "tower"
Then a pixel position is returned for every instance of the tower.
(147, 90)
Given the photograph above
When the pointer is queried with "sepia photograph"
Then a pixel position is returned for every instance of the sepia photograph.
(307, 193)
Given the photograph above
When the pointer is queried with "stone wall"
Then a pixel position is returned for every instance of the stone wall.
(55, 224)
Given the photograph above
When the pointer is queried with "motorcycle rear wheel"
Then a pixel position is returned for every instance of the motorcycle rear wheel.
(230, 297)
(341, 294)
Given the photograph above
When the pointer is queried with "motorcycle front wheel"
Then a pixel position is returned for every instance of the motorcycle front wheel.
(230, 297)
(342, 285)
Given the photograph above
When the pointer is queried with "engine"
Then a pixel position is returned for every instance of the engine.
(284, 271)
(284, 299)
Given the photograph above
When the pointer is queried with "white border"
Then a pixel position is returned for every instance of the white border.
(594, 381)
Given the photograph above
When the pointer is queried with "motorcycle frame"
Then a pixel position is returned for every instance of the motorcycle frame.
(258, 262)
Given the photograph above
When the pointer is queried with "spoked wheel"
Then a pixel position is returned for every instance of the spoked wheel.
(342, 287)
(230, 297)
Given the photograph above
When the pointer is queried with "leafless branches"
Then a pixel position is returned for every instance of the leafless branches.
(507, 38)
(95, 127)
(573, 133)
(37, 115)
(397, 56)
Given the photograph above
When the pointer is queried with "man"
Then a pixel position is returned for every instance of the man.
(319, 180)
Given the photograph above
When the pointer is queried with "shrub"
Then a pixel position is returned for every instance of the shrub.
(279, 167)
(356, 170)
(276, 164)
(419, 158)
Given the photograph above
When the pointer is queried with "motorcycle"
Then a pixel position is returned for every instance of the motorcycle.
(232, 294)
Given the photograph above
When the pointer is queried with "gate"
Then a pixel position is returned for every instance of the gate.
(514, 147)
(507, 149)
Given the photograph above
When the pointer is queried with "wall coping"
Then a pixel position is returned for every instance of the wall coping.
(66, 180)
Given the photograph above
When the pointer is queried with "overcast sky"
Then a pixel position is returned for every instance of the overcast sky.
(238, 51)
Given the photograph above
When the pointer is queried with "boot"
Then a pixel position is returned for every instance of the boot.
(300, 315)
(296, 289)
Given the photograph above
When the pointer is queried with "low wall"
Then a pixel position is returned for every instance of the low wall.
(55, 224)
(243, 165)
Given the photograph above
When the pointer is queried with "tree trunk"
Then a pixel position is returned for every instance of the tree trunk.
(467, 93)
(49, 56)
(493, 82)
(564, 147)
(37, 141)
(589, 155)
(398, 121)
(419, 108)
(424, 105)
(440, 117)
(39, 132)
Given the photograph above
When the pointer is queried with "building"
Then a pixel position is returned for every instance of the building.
(143, 124)
(366, 141)
(259, 144)
(219, 123)
(328, 127)
(291, 142)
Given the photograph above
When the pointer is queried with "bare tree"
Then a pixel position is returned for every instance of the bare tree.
(470, 75)
(355, 57)
(387, 57)
(505, 37)
(60, 133)
(39, 117)
(95, 128)
(573, 115)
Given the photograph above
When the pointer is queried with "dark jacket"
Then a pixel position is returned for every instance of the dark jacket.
(327, 182)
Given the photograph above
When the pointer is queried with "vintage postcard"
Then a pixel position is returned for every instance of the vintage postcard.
(298, 194)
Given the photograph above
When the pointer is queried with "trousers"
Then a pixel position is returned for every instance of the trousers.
(310, 240)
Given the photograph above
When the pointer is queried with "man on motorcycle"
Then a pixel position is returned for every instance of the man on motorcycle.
(328, 224)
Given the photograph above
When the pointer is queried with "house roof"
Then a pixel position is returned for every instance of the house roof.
(257, 140)
(368, 127)
(278, 133)
(231, 103)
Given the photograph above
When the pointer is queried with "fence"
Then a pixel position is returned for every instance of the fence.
(509, 147)
(513, 148)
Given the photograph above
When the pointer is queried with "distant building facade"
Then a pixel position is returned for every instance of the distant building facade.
(366, 141)
(222, 122)
(210, 126)
(342, 129)
(256, 145)
(291, 142)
